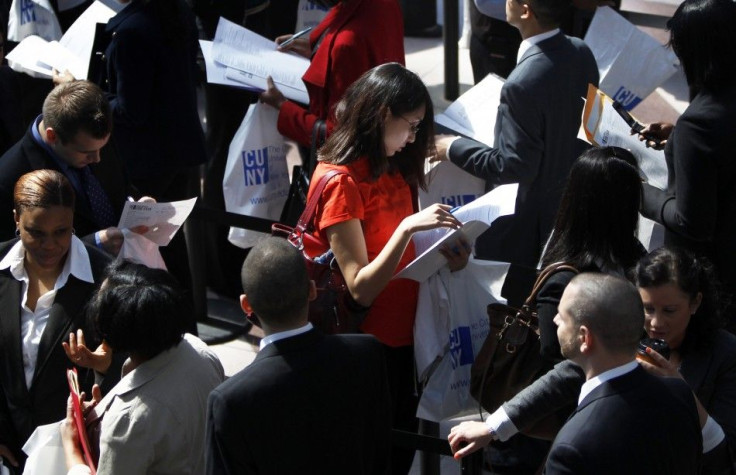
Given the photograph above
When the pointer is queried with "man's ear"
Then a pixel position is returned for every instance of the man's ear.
(526, 11)
(51, 136)
(586, 339)
(245, 304)
(312, 290)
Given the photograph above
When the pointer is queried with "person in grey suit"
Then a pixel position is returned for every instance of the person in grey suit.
(309, 403)
(536, 131)
(622, 409)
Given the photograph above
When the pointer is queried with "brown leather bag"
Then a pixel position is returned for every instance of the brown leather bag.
(509, 359)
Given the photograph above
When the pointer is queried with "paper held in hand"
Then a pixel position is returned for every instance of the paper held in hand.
(71, 377)
(163, 219)
(476, 217)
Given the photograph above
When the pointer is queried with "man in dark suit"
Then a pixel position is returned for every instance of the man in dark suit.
(308, 403)
(627, 420)
(536, 131)
(74, 127)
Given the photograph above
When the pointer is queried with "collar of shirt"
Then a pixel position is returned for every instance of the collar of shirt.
(64, 167)
(77, 263)
(533, 40)
(593, 383)
(282, 335)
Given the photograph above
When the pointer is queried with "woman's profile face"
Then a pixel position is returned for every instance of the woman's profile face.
(402, 129)
(667, 312)
(46, 234)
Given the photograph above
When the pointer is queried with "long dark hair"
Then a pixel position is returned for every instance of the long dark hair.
(701, 35)
(599, 212)
(360, 123)
(692, 275)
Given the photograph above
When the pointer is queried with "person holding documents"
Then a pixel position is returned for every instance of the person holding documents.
(74, 126)
(47, 276)
(536, 131)
(698, 209)
(355, 36)
(366, 218)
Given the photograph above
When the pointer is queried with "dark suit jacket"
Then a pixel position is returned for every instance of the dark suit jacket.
(307, 404)
(151, 86)
(699, 207)
(636, 423)
(23, 409)
(27, 155)
(535, 145)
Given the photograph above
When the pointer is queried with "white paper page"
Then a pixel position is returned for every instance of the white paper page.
(474, 113)
(430, 261)
(162, 219)
(607, 128)
(24, 57)
(259, 83)
(245, 50)
(80, 37)
(216, 71)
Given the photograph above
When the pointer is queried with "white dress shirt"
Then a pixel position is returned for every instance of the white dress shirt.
(33, 322)
(285, 334)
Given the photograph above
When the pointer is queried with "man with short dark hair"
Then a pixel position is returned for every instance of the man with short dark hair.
(308, 403)
(74, 126)
(536, 130)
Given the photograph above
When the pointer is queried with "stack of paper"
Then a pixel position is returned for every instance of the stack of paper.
(241, 58)
(36, 57)
(474, 113)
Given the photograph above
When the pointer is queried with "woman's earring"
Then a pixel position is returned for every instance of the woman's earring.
(74, 231)
(17, 232)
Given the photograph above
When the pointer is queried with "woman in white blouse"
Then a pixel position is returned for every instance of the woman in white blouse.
(47, 276)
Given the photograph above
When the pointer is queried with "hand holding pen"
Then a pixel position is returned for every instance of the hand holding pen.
(298, 43)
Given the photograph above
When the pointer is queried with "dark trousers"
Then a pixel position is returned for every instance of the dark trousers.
(404, 400)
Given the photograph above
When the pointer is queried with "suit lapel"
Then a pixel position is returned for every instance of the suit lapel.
(72, 296)
(10, 338)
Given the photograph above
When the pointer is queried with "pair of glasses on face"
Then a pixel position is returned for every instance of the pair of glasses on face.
(415, 127)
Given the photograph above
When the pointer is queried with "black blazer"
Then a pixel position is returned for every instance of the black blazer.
(23, 409)
(27, 156)
(307, 404)
(636, 423)
(699, 207)
(536, 144)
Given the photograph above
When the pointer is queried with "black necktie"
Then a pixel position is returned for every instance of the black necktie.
(98, 201)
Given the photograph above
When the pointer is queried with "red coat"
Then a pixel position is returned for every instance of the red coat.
(360, 34)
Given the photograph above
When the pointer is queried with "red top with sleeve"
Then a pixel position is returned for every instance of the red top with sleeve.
(380, 205)
(358, 35)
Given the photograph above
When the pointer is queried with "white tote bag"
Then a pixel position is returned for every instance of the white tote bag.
(631, 63)
(32, 17)
(309, 14)
(256, 181)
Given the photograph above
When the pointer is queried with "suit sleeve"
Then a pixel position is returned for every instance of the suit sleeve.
(565, 459)
(131, 101)
(719, 397)
(558, 388)
(225, 452)
(692, 210)
(519, 146)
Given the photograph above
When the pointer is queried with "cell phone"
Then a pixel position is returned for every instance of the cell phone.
(635, 125)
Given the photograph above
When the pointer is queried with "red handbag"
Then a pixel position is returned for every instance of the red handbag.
(334, 310)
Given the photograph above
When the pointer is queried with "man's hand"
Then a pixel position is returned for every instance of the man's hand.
(272, 96)
(78, 353)
(458, 254)
(111, 240)
(467, 437)
(7, 454)
(442, 144)
(299, 46)
(61, 78)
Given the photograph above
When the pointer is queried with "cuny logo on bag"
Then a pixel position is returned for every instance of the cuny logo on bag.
(255, 166)
(458, 200)
(461, 347)
(27, 11)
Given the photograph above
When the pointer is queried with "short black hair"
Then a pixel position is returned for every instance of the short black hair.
(549, 13)
(140, 310)
(701, 35)
(274, 278)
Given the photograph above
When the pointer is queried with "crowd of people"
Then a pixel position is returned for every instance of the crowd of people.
(158, 400)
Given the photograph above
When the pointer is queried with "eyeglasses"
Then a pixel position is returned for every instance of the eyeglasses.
(415, 127)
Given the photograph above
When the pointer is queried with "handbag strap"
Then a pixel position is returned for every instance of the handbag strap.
(305, 220)
(546, 273)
